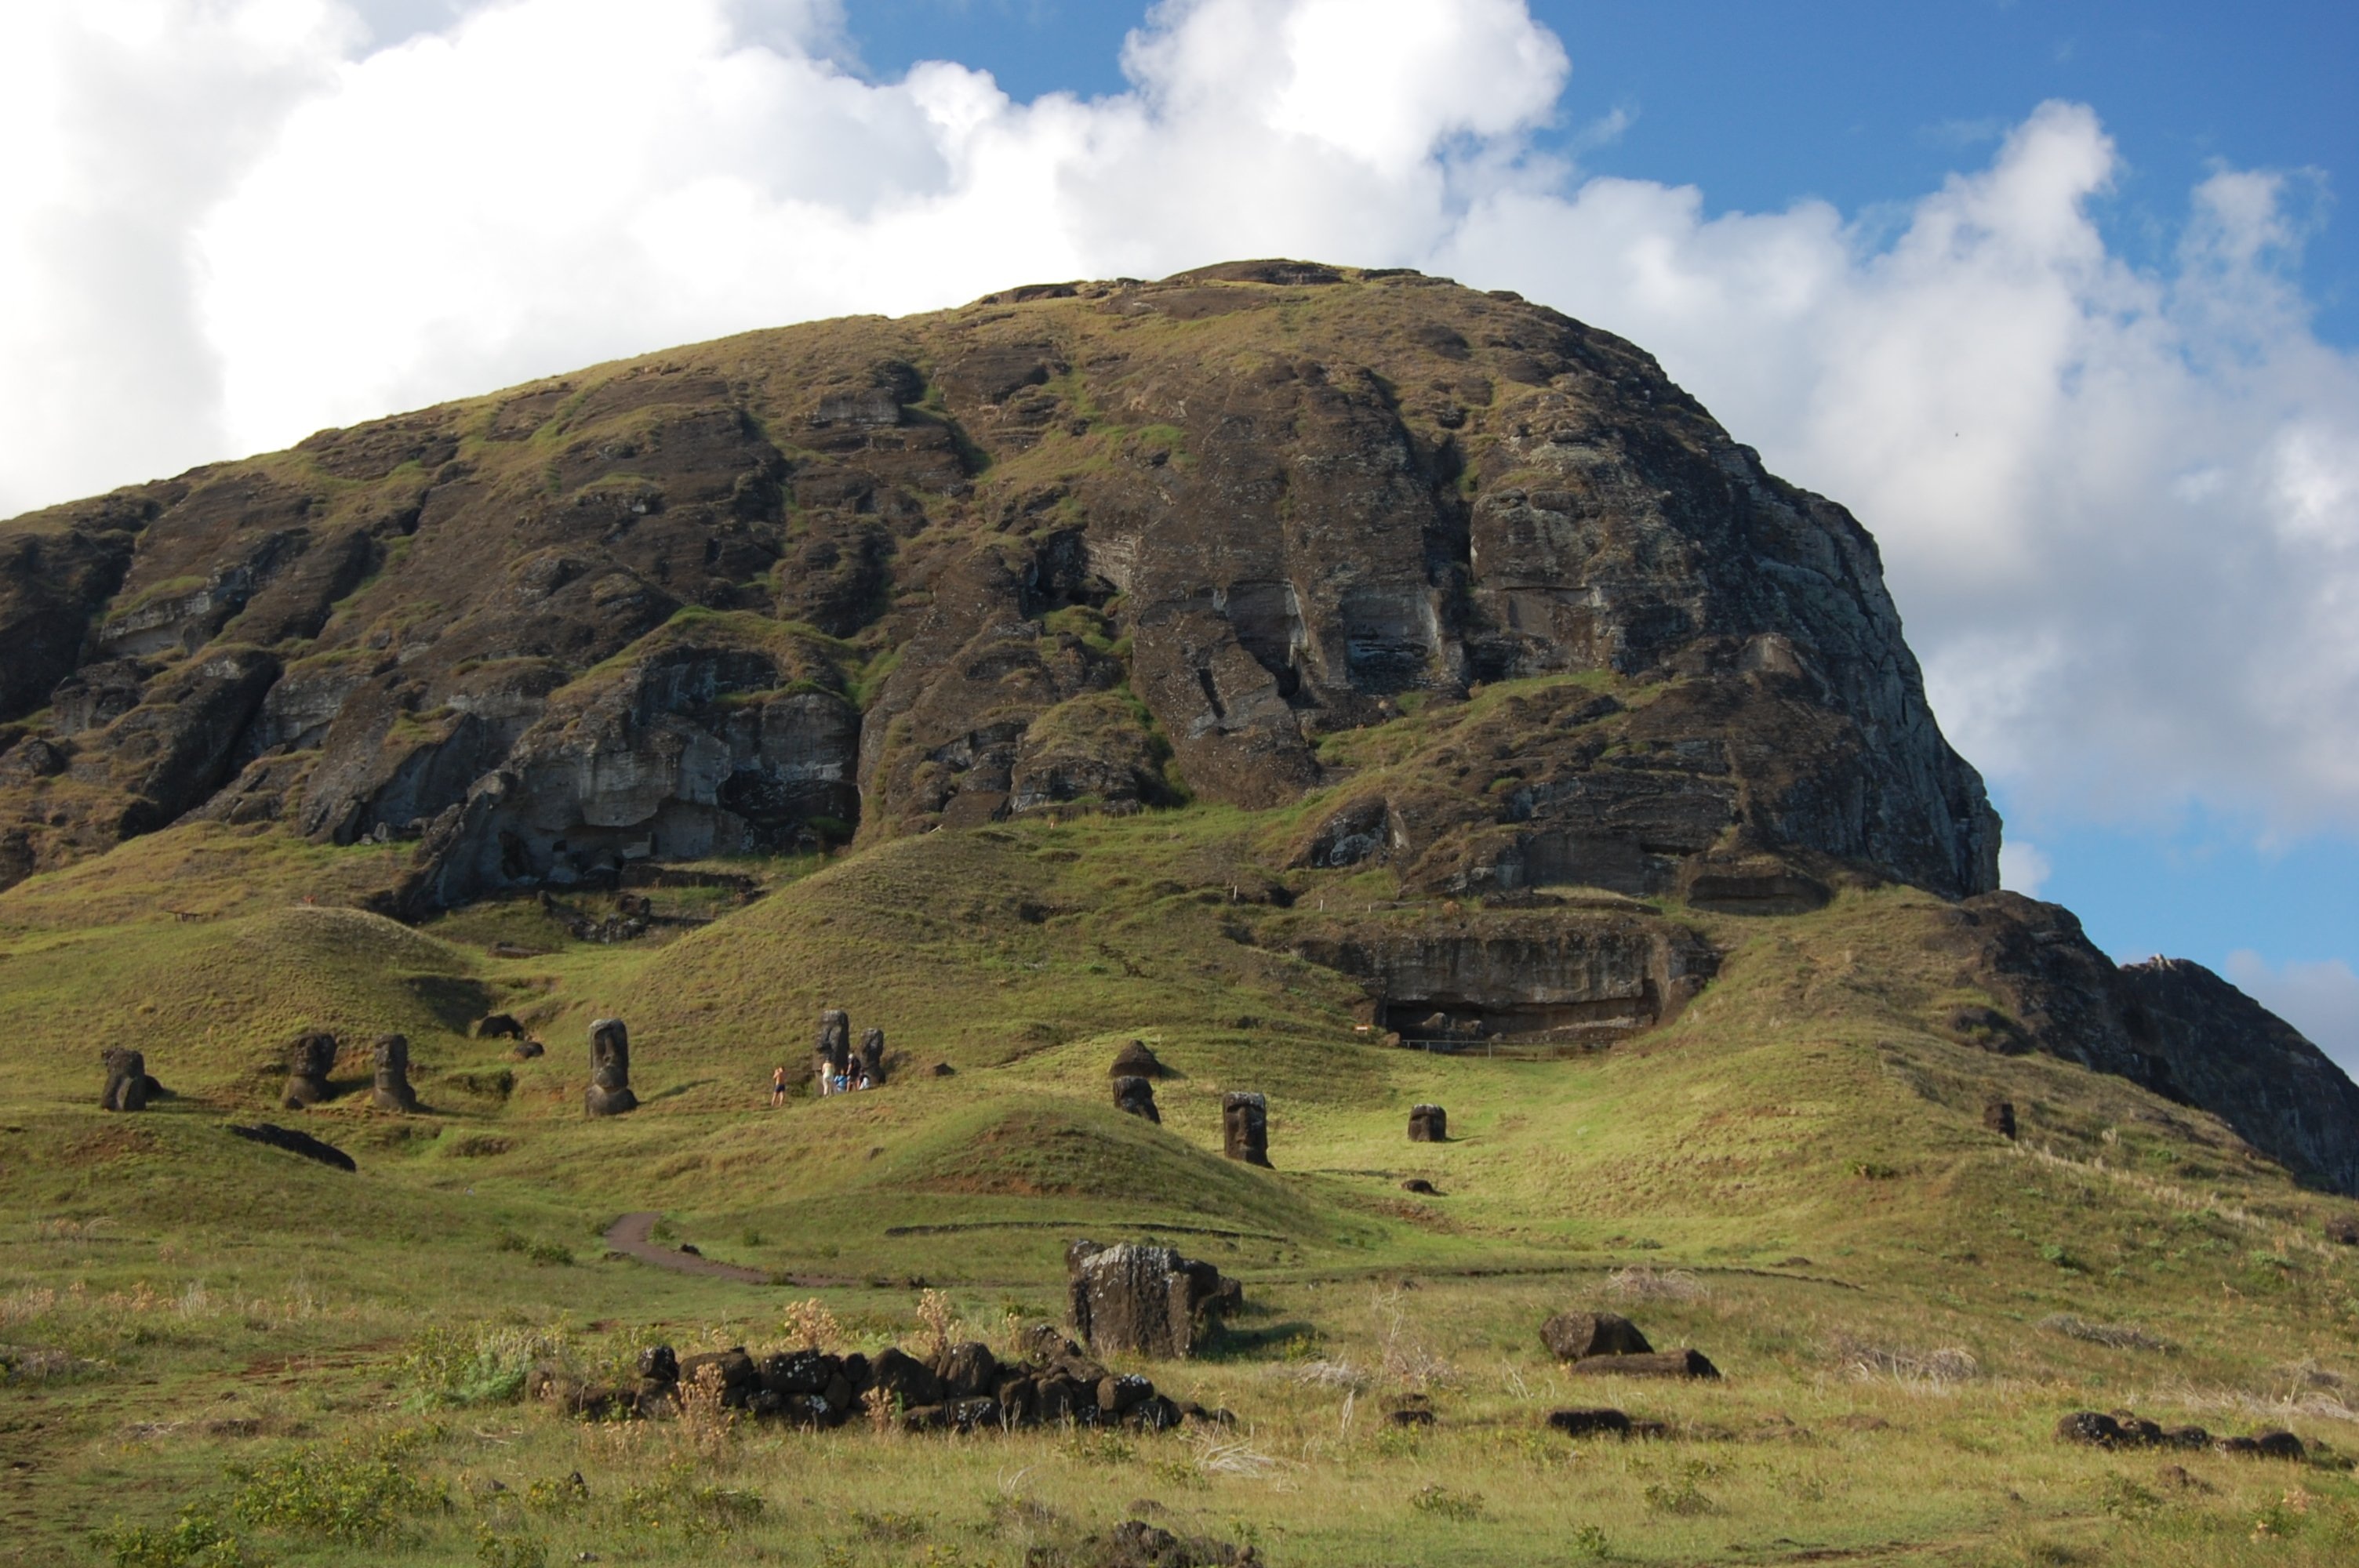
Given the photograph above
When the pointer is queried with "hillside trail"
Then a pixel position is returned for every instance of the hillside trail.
(634, 1237)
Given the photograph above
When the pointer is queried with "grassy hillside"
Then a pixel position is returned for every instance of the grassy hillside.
(1793, 1176)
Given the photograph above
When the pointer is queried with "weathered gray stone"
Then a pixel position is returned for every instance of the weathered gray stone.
(1143, 1300)
(1428, 1124)
(609, 1093)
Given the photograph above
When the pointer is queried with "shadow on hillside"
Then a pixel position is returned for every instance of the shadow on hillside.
(1254, 1344)
(454, 1002)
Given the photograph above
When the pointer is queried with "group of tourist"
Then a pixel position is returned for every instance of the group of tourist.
(848, 1077)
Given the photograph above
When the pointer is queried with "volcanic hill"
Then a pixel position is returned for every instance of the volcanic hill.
(1352, 689)
(1088, 547)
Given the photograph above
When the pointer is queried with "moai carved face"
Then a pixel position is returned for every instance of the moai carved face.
(836, 1035)
(392, 1060)
(610, 1053)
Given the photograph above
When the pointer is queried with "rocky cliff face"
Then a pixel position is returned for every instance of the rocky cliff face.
(1484, 577)
(1092, 545)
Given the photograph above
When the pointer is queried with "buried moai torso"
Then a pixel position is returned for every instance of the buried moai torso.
(1135, 1097)
(872, 1054)
(609, 1093)
(1245, 1127)
(392, 1090)
(127, 1080)
(1428, 1124)
(831, 1050)
(309, 1059)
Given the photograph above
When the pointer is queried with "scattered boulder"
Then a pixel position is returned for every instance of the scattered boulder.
(498, 1026)
(944, 1070)
(2344, 1230)
(296, 1142)
(1135, 1097)
(2127, 1429)
(2092, 1428)
(609, 1093)
(1410, 1410)
(1428, 1124)
(1577, 1335)
(2271, 1445)
(309, 1059)
(1999, 1117)
(1581, 1421)
(526, 1050)
(392, 1090)
(1135, 1060)
(127, 1080)
(1420, 1185)
(1659, 1364)
(1244, 1127)
(1144, 1301)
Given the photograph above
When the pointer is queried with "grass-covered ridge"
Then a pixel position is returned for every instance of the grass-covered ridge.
(1792, 1176)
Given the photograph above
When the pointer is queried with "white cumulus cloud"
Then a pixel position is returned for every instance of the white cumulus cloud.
(2119, 505)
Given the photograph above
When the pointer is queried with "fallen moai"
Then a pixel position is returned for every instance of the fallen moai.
(2125, 1429)
(392, 1090)
(296, 1142)
(1144, 1301)
(1428, 1124)
(609, 1093)
(1659, 1364)
(309, 1059)
(1135, 1097)
(963, 1387)
(1244, 1127)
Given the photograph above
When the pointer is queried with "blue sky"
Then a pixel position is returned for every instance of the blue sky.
(2061, 298)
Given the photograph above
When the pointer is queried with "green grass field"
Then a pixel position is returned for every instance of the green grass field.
(1792, 1177)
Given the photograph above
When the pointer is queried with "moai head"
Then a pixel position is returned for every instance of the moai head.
(609, 1093)
(872, 1054)
(127, 1080)
(392, 1090)
(309, 1059)
(835, 1037)
(1135, 1097)
(1999, 1117)
(1245, 1127)
(1428, 1124)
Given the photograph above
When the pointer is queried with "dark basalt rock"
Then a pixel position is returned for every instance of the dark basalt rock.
(1576, 1336)
(609, 1093)
(309, 1059)
(1428, 1124)
(1658, 1364)
(1144, 1301)
(1135, 1097)
(498, 1026)
(1244, 1127)
(127, 1080)
(392, 1090)
(296, 1142)
(1999, 1117)
(1136, 1060)
(1581, 1421)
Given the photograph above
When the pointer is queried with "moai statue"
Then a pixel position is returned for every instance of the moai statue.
(1999, 1117)
(1135, 1097)
(1245, 1127)
(1428, 1124)
(127, 1080)
(609, 1093)
(872, 1054)
(832, 1051)
(309, 1060)
(392, 1091)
